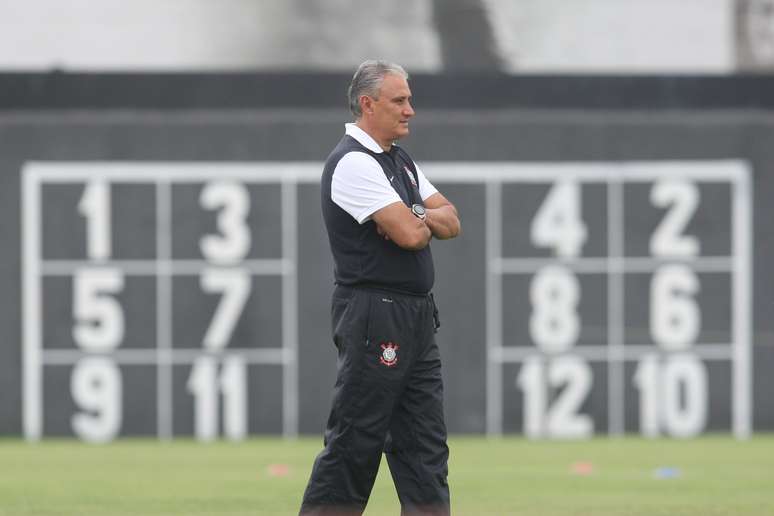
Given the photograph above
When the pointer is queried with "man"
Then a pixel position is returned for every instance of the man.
(381, 212)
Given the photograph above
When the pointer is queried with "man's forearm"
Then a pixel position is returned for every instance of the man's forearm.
(415, 239)
(443, 221)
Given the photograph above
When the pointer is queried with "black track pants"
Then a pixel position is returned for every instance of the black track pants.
(388, 397)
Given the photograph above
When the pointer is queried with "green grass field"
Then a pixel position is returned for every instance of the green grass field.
(710, 476)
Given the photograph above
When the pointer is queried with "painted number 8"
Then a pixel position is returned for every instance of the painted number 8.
(554, 324)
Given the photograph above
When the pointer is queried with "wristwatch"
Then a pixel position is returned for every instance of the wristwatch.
(419, 211)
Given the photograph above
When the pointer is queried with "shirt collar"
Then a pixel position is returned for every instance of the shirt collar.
(363, 138)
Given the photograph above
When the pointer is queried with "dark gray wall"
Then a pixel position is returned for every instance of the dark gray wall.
(438, 135)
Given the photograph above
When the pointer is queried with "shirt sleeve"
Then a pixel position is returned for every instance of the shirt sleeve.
(360, 187)
(426, 188)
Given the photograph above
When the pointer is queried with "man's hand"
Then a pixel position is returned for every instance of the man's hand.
(442, 217)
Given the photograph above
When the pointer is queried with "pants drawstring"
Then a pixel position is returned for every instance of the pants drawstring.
(436, 319)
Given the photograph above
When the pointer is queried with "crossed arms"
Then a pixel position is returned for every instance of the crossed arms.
(396, 222)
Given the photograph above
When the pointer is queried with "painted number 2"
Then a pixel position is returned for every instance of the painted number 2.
(681, 198)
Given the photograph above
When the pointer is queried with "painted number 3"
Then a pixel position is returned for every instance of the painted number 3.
(232, 243)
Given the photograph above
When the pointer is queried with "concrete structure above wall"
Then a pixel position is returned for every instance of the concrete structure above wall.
(512, 36)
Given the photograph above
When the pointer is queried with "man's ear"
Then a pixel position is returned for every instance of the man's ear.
(366, 104)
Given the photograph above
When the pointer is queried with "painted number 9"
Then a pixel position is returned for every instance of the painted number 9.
(96, 388)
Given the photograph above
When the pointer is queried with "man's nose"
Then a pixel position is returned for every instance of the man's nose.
(409, 111)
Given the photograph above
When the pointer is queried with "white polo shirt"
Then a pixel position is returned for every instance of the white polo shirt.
(360, 187)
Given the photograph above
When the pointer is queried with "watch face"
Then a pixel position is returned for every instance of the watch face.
(418, 209)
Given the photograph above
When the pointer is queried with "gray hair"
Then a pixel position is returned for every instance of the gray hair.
(367, 81)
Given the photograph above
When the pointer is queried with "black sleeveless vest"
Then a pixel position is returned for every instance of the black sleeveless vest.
(360, 255)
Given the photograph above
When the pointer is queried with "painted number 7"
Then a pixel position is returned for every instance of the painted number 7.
(235, 286)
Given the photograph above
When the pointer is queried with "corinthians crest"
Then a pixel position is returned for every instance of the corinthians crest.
(389, 354)
(411, 176)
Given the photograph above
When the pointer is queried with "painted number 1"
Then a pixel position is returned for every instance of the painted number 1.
(95, 207)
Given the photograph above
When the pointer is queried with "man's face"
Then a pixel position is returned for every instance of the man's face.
(392, 111)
